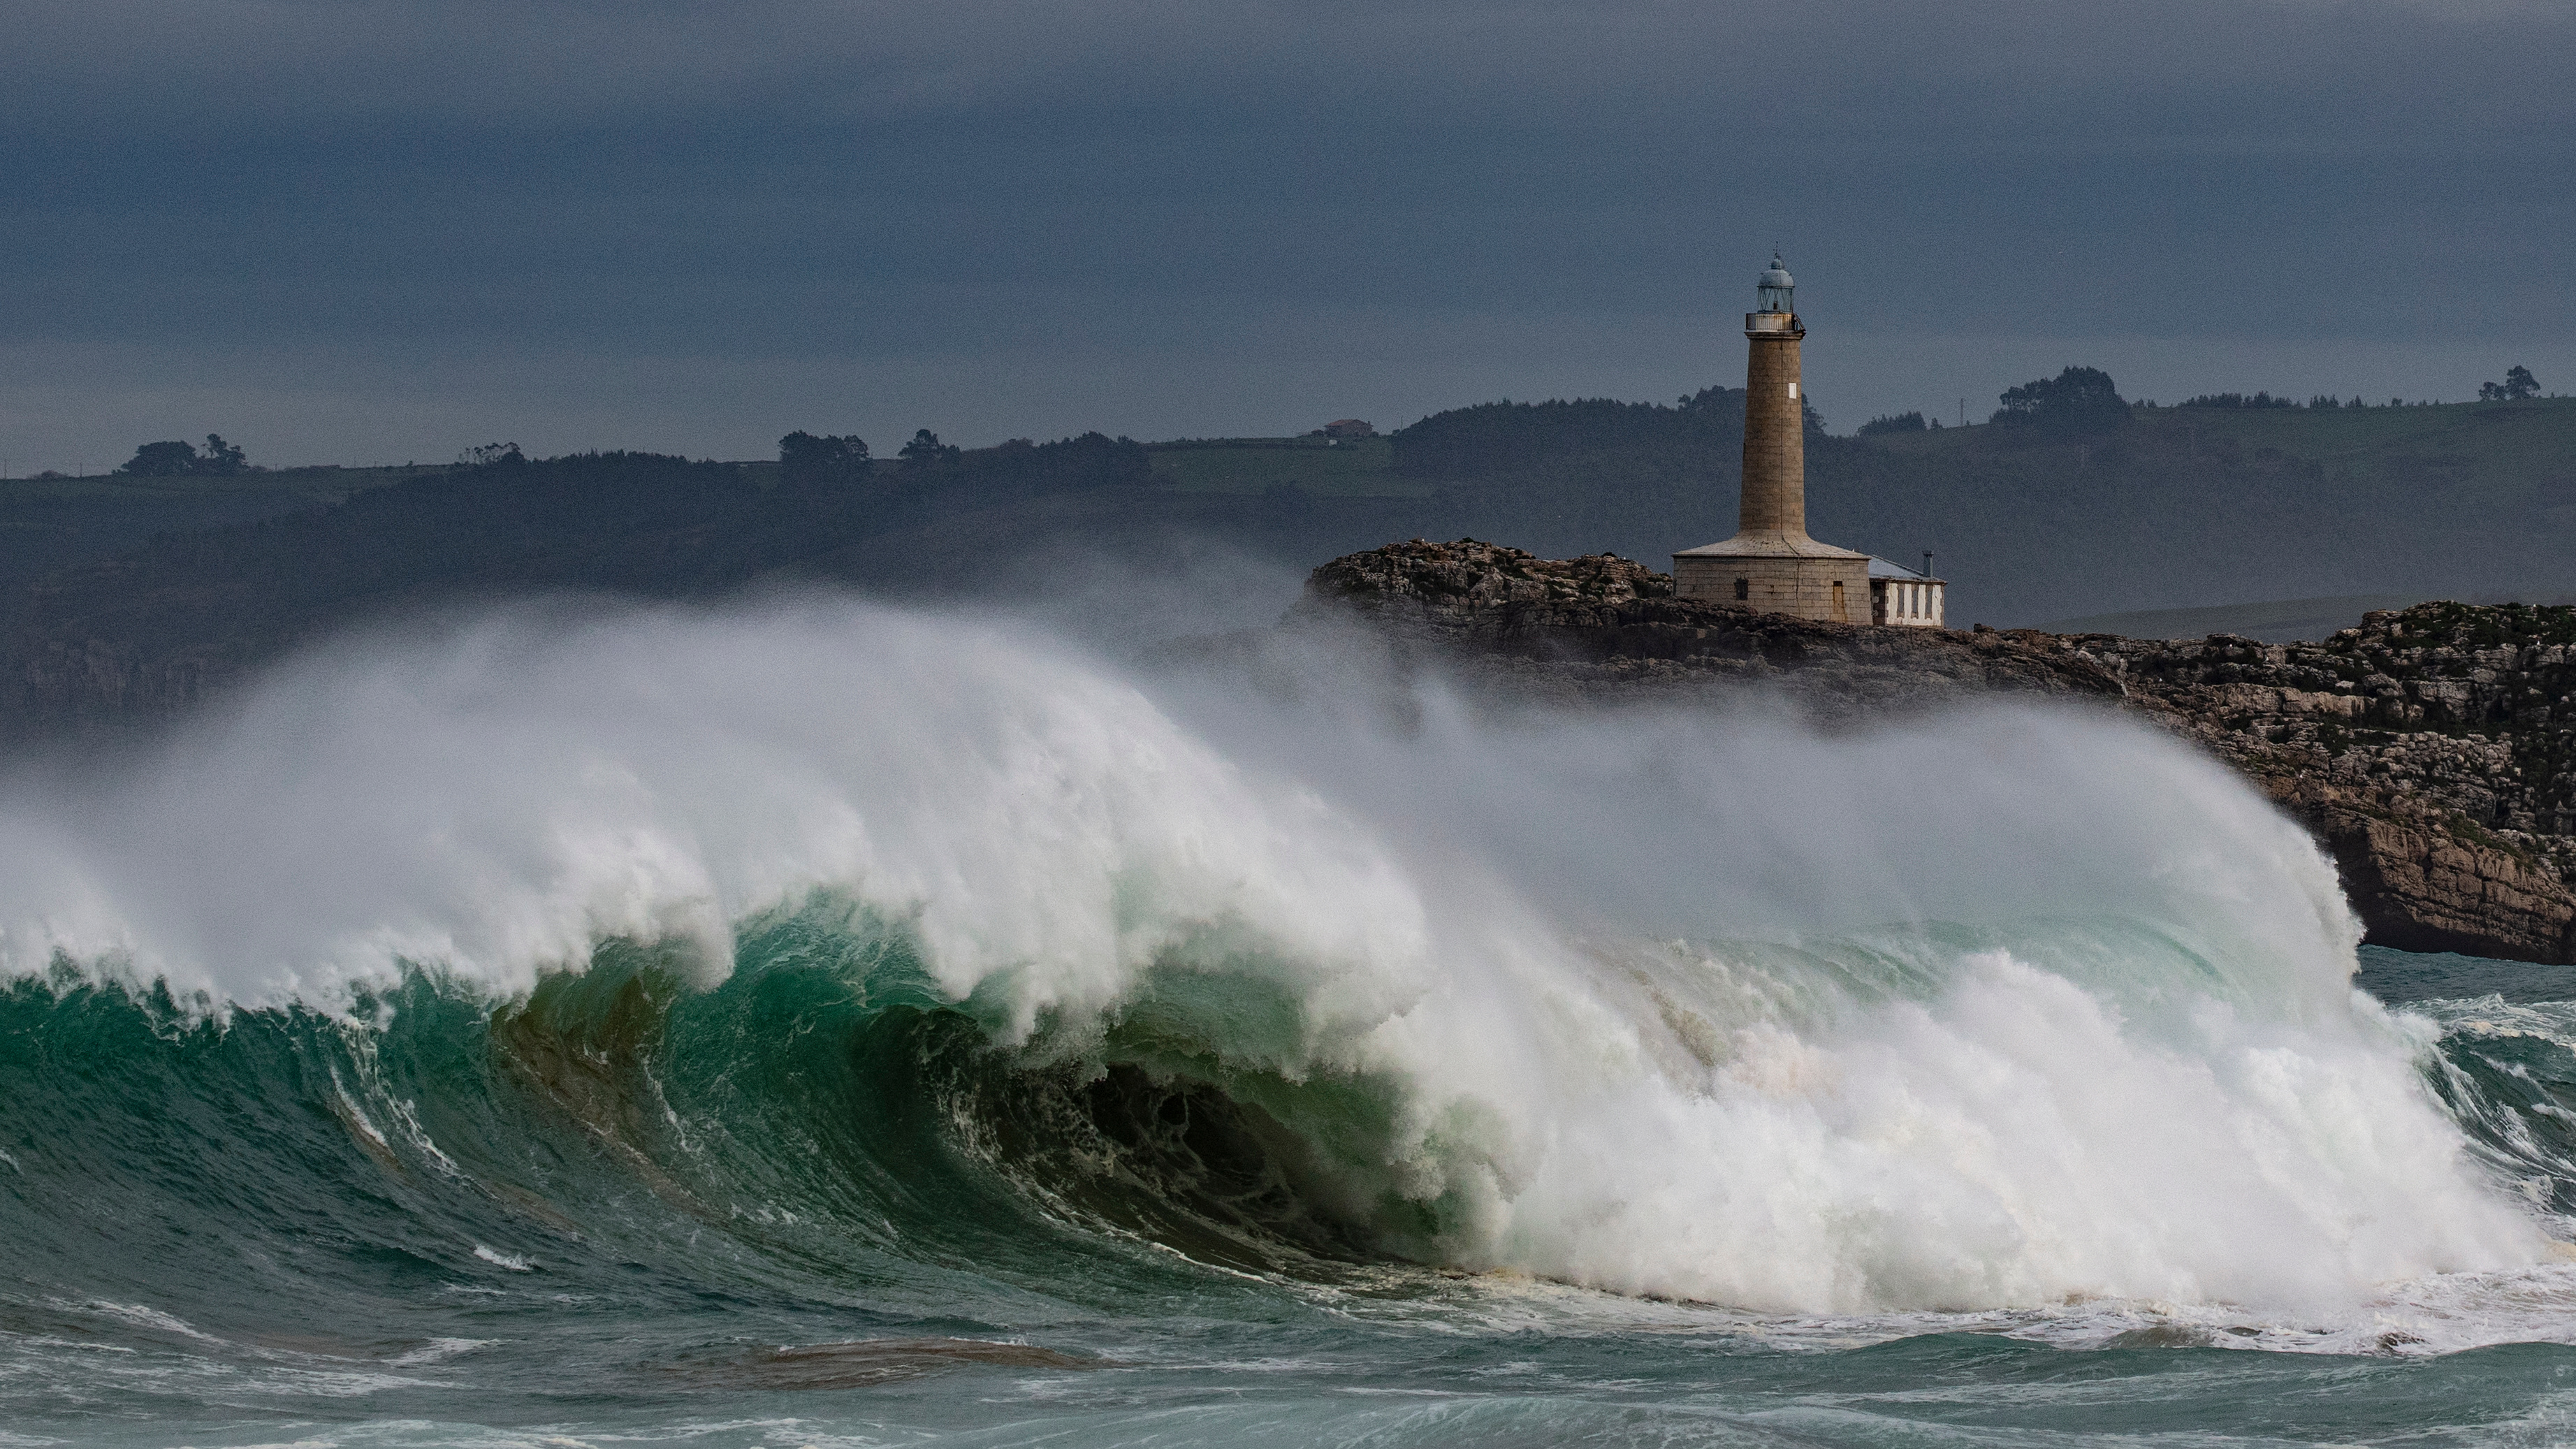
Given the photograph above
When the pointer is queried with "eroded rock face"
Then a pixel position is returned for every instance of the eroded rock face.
(2432, 751)
(1605, 624)
(1471, 575)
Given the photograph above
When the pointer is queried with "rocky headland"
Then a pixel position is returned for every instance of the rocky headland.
(2432, 751)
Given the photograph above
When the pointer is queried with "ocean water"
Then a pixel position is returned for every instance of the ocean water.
(818, 1024)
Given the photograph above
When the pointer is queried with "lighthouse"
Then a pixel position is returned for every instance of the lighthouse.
(1771, 564)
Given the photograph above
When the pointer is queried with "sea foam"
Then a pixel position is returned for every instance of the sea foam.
(1996, 1008)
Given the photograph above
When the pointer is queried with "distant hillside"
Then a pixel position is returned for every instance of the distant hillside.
(51, 523)
(2189, 506)
(129, 598)
(2160, 508)
(1284, 467)
(145, 632)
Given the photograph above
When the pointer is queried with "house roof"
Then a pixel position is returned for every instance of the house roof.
(1768, 543)
(1880, 568)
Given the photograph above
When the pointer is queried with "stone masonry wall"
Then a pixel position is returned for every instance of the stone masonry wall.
(1775, 439)
(1801, 586)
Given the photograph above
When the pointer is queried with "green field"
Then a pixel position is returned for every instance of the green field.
(1358, 469)
(2488, 452)
(326, 484)
(50, 523)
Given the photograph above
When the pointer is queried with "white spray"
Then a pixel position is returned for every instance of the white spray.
(1997, 1009)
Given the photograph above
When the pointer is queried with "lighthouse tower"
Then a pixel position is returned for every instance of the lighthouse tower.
(1771, 564)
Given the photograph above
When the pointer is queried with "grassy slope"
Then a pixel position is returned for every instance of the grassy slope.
(1360, 469)
(136, 634)
(2194, 506)
(318, 485)
(2177, 508)
(52, 523)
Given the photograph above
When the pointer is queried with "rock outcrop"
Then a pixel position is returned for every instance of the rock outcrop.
(1606, 625)
(2431, 751)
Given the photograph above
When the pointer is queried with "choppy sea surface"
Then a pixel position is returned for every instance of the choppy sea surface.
(817, 1024)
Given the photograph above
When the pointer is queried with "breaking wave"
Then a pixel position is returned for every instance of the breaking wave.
(825, 943)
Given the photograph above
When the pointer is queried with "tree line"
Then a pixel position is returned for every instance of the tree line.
(180, 459)
(1462, 442)
(2085, 400)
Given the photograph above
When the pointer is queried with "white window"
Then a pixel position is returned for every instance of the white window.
(1793, 389)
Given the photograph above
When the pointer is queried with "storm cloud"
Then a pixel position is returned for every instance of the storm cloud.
(358, 231)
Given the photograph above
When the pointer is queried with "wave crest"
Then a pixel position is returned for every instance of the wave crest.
(861, 934)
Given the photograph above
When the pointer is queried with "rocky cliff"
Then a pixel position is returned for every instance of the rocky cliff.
(2432, 752)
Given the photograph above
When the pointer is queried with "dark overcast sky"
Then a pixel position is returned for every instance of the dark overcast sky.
(354, 231)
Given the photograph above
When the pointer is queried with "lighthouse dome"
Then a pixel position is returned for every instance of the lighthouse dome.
(1775, 290)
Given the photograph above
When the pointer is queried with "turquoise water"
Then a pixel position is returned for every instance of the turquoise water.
(966, 1043)
(607, 1216)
